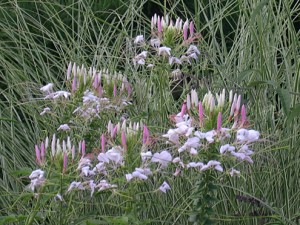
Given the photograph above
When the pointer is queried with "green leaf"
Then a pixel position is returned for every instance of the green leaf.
(285, 99)
(257, 10)
(294, 112)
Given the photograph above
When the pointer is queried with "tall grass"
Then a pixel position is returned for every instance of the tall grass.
(251, 47)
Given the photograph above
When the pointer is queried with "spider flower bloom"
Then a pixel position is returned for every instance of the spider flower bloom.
(42, 152)
(47, 88)
(139, 39)
(164, 187)
(64, 127)
(164, 51)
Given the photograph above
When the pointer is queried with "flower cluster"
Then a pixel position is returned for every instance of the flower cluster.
(174, 43)
(92, 91)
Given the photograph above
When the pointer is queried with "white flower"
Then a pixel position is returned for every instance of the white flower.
(37, 179)
(209, 136)
(163, 158)
(226, 148)
(244, 135)
(155, 42)
(47, 88)
(76, 185)
(193, 49)
(47, 109)
(63, 127)
(164, 187)
(103, 185)
(139, 39)
(212, 163)
(233, 172)
(164, 51)
(37, 174)
(146, 155)
(173, 60)
(190, 143)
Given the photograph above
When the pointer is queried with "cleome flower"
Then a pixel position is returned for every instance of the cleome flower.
(37, 179)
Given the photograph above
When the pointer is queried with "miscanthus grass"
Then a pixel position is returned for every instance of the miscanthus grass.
(249, 47)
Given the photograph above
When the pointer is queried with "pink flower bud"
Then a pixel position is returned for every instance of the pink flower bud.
(83, 148)
(191, 28)
(145, 134)
(73, 152)
(103, 143)
(185, 30)
(159, 27)
(42, 152)
(237, 106)
(65, 162)
(219, 121)
(114, 131)
(123, 137)
(74, 84)
(183, 109)
(243, 115)
(38, 155)
(96, 82)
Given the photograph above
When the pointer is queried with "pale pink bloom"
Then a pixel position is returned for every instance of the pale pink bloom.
(47, 88)
(212, 164)
(242, 156)
(139, 39)
(244, 135)
(193, 49)
(234, 172)
(37, 179)
(155, 42)
(146, 155)
(193, 142)
(47, 109)
(164, 51)
(77, 185)
(173, 60)
(64, 127)
(226, 148)
(163, 158)
(164, 187)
